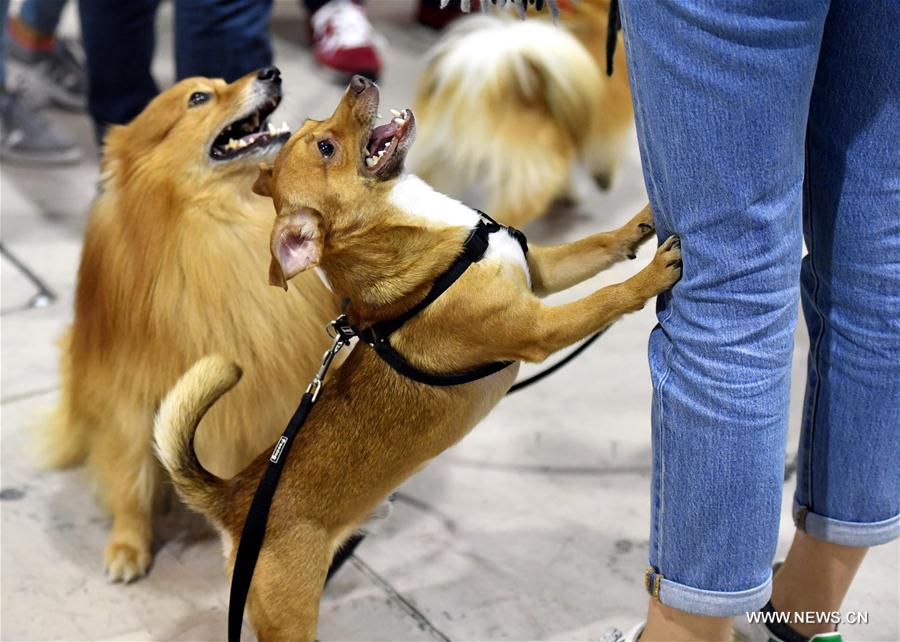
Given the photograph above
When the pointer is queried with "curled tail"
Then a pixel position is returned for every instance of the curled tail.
(506, 105)
(176, 422)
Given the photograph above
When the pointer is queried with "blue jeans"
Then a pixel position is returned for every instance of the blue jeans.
(761, 123)
(214, 38)
(4, 10)
(42, 15)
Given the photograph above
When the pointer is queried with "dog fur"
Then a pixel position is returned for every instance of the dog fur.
(170, 272)
(382, 237)
(511, 106)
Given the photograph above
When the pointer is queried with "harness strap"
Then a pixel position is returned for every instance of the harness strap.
(378, 335)
(473, 250)
(399, 363)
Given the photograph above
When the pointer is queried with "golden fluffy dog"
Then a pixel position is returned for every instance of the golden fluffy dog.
(169, 273)
(511, 106)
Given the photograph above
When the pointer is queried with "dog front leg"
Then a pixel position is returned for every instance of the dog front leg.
(557, 267)
(549, 329)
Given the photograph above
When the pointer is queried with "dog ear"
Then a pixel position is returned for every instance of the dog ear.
(296, 245)
(263, 184)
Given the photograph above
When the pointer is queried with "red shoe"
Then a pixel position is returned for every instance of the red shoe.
(344, 40)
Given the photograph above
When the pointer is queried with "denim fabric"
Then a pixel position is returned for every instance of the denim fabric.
(42, 15)
(222, 39)
(847, 474)
(215, 38)
(722, 95)
(4, 12)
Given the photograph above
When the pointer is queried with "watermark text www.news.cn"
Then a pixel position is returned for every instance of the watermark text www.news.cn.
(808, 617)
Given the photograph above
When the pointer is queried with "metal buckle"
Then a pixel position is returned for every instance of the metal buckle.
(341, 332)
(341, 327)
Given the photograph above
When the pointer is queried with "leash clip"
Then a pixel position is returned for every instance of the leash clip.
(341, 331)
(341, 327)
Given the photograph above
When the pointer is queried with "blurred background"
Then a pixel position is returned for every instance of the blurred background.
(533, 527)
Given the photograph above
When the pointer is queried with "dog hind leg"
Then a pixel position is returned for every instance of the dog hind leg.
(287, 584)
(129, 477)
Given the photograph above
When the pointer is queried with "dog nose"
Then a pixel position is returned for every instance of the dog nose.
(359, 84)
(270, 74)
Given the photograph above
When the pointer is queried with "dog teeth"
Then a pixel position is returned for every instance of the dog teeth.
(399, 121)
(371, 161)
(274, 131)
(387, 144)
(396, 113)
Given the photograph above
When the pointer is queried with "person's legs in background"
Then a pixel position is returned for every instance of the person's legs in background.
(721, 94)
(343, 39)
(118, 43)
(48, 65)
(25, 136)
(222, 39)
(848, 487)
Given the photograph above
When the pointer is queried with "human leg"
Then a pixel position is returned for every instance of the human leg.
(848, 489)
(222, 39)
(118, 42)
(721, 94)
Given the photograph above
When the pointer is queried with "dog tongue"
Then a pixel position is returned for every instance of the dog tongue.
(381, 135)
(252, 138)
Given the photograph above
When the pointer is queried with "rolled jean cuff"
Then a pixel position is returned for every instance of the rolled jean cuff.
(703, 602)
(836, 531)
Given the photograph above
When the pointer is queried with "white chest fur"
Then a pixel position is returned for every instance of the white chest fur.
(415, 197)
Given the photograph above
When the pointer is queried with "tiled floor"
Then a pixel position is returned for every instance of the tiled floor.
(534, 527)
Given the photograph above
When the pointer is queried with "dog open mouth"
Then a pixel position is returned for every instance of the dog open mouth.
(387, 146)
(250, 133)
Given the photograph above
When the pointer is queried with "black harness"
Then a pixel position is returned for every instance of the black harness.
(377, 337)
(379, 334)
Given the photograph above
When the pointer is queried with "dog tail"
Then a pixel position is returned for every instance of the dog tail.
(505, 104)
(494, 57)
(63, 439)
(176, 422)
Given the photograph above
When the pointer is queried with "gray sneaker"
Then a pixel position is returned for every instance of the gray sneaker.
(26, 137)
(54, 78)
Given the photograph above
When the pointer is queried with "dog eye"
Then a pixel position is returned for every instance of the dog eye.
(326, 148)
(198, 98)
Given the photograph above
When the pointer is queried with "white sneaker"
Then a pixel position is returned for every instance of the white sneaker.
(615, 635)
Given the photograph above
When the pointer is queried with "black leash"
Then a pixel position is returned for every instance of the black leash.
(546, 372)
(378, 338)
(254, 530)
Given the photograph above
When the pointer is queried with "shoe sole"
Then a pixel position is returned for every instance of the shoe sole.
(40, 160)
(44, 90)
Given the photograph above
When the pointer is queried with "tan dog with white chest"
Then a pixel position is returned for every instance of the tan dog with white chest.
(382, 238)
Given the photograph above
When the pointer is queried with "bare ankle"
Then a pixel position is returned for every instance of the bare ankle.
(814, 580)
(666, 624)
